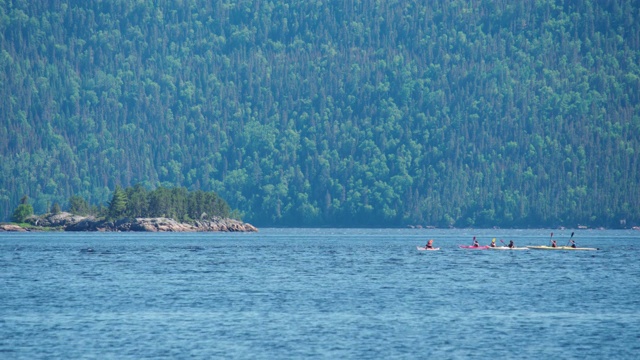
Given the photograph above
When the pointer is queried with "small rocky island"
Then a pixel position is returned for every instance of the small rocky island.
(65, 221)
(135, 209)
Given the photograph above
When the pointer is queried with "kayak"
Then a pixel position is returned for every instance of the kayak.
(471, 247)
(422, 248)
(507, 248)
(544, 247)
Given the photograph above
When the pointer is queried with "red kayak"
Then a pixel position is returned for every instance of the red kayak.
(471, 247)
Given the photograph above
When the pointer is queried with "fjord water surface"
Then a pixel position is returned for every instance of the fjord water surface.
(318, 293)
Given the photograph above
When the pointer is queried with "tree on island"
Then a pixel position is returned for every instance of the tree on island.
(137, 201)
(78, 205)
(55, 208)
(118, 204)
(23, 210)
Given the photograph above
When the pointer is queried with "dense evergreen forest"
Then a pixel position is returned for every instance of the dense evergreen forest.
(510, 113)
(175, 203)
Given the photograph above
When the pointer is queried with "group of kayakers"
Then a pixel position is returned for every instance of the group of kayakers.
(493, 243)
(572, 243)
(511, 244)
(475, 243)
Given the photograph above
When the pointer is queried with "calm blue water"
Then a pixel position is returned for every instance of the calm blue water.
(318, 293)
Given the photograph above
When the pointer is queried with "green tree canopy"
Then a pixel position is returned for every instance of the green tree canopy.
(55, 208)
(23, 210)
(78, 205)
(118, 204)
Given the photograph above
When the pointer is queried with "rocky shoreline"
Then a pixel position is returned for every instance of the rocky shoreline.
(68, 222)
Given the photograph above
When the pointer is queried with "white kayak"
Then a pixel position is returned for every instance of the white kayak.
(507, 248)
(422, 248)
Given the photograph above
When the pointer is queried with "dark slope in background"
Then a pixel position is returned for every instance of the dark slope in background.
(329, 113)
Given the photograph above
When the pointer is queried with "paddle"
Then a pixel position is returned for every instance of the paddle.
(550, 238)
(570, 239)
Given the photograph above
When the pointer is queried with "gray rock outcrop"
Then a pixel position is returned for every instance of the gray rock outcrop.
(11, 227)
(69, 222)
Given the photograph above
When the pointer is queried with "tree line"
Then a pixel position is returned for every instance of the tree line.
(176, 203)
(332, 113)
(138, 202)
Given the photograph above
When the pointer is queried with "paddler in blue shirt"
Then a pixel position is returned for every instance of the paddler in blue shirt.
(573, 244)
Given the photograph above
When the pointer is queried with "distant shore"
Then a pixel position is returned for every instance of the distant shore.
(68, 222)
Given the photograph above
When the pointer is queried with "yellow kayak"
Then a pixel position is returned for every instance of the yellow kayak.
(544, 247)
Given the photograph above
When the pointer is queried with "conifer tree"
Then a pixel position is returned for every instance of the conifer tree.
(78, 205)
(118, 203)
(55, 208)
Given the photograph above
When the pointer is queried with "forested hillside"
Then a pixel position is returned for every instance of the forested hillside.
(329, 113)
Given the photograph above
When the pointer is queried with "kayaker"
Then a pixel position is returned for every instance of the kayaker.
(573, 244)
(429, 244)
(493, 242)
(511, 244)
(553, 243)
(475, 243)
